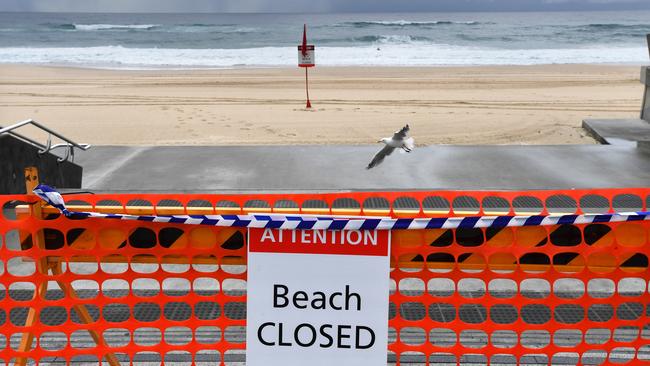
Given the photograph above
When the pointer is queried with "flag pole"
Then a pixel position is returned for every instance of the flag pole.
(304, 53)
(307, 87)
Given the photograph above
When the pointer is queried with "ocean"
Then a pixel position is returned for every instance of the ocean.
(152, 41)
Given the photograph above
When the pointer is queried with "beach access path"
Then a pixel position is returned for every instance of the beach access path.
(342, 168)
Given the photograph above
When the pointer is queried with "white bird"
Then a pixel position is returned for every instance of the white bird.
(399, 140)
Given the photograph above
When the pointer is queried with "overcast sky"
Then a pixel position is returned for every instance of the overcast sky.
(148, 6)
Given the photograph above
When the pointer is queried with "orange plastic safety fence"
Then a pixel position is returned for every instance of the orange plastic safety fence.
(133, 292)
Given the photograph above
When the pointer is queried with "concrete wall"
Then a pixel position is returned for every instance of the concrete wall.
(645, 80)
(644, 146)
(645, 113)
(16, 155)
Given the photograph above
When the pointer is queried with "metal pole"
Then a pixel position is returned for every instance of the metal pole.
(10, 129)
(307, 87)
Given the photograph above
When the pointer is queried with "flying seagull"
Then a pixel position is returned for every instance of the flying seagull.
(399, 140)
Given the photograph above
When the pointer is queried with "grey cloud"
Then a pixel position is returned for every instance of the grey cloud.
(622, 2)
(165, 5)
(316, 6)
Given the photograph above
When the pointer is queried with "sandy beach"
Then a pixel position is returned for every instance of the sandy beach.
(352, 105)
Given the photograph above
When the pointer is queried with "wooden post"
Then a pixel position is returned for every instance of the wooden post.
(31, 181)
(43, 266)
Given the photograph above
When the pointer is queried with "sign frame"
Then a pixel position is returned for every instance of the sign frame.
(307, 59)
(313, 297)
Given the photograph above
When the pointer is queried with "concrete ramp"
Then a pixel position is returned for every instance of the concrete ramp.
(342, 168)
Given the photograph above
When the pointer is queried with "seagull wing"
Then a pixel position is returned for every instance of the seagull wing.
(379, 157)
(401, 134)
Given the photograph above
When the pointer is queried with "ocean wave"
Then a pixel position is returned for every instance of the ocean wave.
(94, 27)
(184, 28)
(485, 38)
(391, 39)
(406, 23)
(64, 26)
(199, 25)
(210, 28)
(389, 55)
(99, 27)
(612, 26)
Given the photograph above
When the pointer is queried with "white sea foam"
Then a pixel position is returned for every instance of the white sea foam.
(217, 28)
(386, 55)
(394, 39)
(405, 23)
(95, 27)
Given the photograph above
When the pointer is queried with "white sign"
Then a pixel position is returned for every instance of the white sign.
(317, 297)
(309, 58)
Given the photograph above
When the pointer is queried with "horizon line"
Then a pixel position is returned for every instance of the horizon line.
(335, 12)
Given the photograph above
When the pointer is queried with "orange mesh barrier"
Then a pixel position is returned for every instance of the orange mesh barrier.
(127, 291)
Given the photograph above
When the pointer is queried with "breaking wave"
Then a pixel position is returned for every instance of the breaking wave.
(388, 55)
(616, 26)
(407, 23)
(391, 39)
(98, 27)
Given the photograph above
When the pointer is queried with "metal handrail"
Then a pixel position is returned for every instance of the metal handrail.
(69, 144)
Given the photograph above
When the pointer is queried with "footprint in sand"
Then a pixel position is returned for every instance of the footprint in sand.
(210, 123)
(245, 129)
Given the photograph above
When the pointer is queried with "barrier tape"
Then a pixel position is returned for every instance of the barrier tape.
(301, 222)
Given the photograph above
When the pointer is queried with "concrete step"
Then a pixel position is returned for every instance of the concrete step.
(618, 131)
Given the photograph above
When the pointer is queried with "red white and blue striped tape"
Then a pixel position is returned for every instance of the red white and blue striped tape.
(302, 222)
